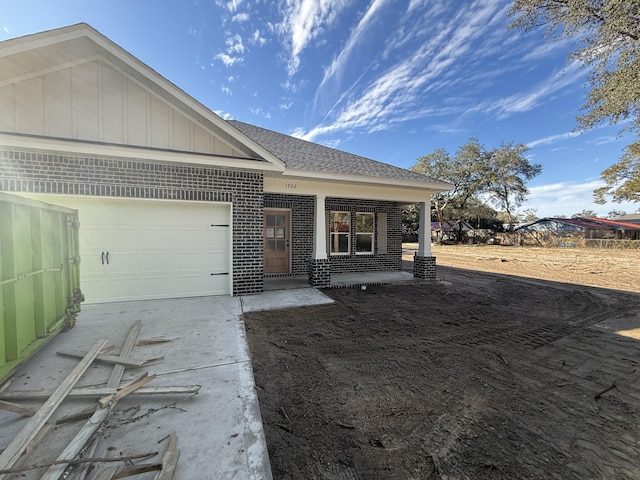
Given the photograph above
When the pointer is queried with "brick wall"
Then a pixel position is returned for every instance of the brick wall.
(302, 228)
(424, 267)
(38, 172)
(390, 261)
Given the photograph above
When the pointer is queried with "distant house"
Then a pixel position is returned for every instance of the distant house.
(631, 218)
(566, 231)
(451, 230)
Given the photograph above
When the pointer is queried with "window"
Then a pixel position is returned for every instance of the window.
(340, 232)
(364, 232)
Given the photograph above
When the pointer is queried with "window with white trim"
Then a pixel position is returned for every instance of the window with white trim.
(364, 232)
(340, 232)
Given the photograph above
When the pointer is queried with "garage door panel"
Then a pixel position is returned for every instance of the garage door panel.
(156, 249)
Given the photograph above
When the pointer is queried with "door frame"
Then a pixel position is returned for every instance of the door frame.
(288, 238)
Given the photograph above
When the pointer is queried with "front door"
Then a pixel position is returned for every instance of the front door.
(275, 235)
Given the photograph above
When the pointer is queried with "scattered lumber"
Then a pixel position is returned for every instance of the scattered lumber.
(12, 453)
(96, 419)
(113, 359)
(85, 441)
(73, 417)
(15, 408)
(90, 392)
(169, 460)
(126, 390)
(123, 459)
(100, 415)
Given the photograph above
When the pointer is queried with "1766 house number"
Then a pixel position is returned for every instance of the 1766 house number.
(291, 185)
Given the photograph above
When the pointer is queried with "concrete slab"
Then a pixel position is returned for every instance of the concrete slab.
(219, 430)
(284, 299)
(371, 278)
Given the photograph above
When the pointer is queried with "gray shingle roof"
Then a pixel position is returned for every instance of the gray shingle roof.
(300, 154)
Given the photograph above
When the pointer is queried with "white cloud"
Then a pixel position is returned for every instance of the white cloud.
(303, 21)
(525, 101)
(552, 139)
(397, 95)
(226, 90)
(568, 198)
(228, 60)
(258, 39)
(260, 112)
(5, 28)
(235, 44)
(233, 5)
(221, 113)
(234, 51)
(240, 17)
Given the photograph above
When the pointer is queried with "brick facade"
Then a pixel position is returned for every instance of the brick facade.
(302, 233)
(319, 272)
(424, 267)
(378, 262)
(39, 172)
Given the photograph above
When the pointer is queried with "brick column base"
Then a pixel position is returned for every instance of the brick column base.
(424, 267)
(319, 272)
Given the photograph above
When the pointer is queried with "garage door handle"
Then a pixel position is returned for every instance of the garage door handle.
(103, 258)
(107, 258)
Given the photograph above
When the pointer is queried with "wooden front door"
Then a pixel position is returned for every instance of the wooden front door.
(275, 235)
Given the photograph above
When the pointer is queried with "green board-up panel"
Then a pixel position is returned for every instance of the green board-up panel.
(39, 281)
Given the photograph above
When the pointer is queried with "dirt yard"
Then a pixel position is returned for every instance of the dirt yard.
(618, 269)
(480, 376)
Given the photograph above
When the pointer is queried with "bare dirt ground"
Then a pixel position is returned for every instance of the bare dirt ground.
(480, 376)
(584, 266)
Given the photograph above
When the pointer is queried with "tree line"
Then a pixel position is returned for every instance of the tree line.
(480, 179)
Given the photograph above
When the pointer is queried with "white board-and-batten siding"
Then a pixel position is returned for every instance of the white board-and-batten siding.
(95, 101)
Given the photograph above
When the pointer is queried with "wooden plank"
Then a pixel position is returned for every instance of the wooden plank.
(15, 408)
(99, 392)
(12, 453)
(73, 417)
(153, 341)
(131, 387)
(105, 473)
(100, 415)
(124, 472)
(113, 359)
(169, 460)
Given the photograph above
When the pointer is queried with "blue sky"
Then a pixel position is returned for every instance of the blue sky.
(391, 80)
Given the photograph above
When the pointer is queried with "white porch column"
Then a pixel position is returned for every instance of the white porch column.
(320, 230)
(424, 231)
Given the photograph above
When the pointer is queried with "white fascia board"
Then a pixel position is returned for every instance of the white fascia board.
(62, 147)
(298, 186)
(42, 39)
(364, 179)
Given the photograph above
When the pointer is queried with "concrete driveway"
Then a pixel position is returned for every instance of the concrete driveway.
(219, 430)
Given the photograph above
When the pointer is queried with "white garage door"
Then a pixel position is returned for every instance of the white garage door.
(150, 249)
